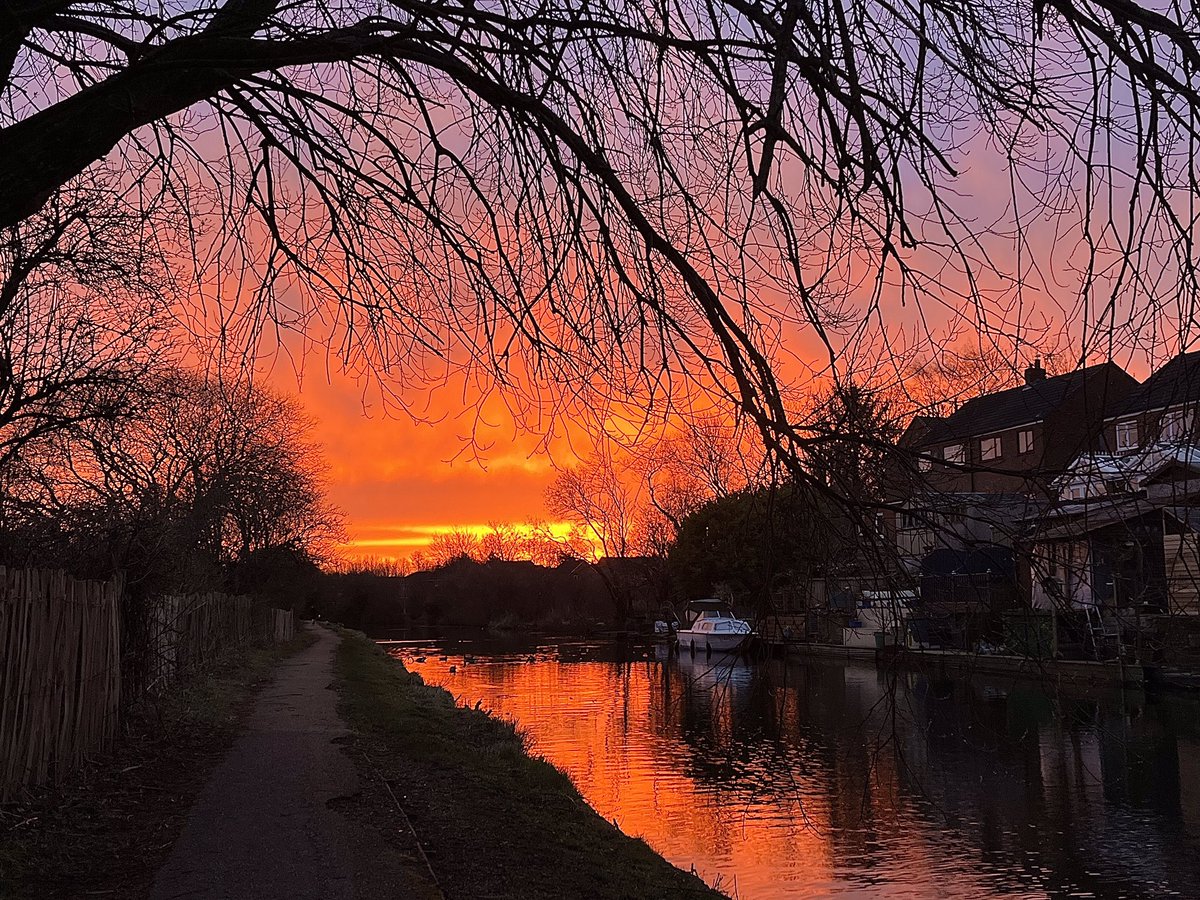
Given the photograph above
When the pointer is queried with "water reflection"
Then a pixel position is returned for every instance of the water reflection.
(825, 779)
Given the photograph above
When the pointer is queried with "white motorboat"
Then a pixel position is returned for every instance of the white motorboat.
(710, 626)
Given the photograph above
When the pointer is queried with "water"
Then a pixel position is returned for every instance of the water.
(825, 779)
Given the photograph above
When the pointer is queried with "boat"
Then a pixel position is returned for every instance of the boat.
(711, 626)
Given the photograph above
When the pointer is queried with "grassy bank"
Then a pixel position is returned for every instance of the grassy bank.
(494, 821)
(105, 831)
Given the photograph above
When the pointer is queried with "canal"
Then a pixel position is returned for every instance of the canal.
(829, 779)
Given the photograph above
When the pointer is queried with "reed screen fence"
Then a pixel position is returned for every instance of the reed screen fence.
(61, 665)
(60, 673)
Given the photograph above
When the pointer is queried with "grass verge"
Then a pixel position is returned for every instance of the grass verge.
(493, 821)
(106, 830)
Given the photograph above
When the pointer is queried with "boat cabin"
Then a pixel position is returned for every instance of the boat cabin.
(706, 609)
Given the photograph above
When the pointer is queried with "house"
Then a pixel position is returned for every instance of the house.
(977, 477)
(1018, 440)
(1160, 411)
(979, 473)
(1123, 530)
(1121, 541)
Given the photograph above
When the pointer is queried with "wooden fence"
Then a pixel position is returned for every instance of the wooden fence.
(60, 662)
(188, 631)
(60, 673)
(281, 625)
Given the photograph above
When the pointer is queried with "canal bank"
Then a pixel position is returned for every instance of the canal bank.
(959, 663)
(490, 819)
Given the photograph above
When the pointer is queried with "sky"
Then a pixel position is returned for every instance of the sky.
(399, 481)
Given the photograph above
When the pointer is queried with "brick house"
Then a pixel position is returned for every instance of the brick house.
(976, 478)
(1017, 441)
(1161, 411)
(978, 473)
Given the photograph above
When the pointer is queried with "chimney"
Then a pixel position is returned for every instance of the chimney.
(1035, 373)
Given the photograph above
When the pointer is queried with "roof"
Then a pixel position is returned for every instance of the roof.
(1188, 516)
(1092, 464)
(989, 413)
(923, 430)
(1141, 468)
(1175, 382)
(1069, 521)
(1173, 457)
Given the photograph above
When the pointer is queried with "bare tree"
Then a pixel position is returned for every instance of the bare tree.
(83, 315)
(447, 546)
(603, 497)
(617, 198)
(504, 541)
(706, 459)
(378, 566)
(548, 547)
(937, 383)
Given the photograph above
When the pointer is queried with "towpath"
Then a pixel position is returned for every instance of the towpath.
(278, 817)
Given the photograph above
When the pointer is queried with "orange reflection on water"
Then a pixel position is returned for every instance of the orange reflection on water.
(839, 780)
(615, 729)
(720, 769)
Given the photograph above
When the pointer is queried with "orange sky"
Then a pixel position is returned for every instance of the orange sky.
(400, 482)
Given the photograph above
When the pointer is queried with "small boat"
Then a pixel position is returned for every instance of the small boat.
(711, 626)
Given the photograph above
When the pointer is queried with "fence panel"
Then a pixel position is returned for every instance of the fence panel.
(189, 631)
(282, 625)
(60, 662)
(60, 682)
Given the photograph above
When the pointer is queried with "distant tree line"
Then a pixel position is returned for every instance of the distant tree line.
(188, 484)
(496, 593)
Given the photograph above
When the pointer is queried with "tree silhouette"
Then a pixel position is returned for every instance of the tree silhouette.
(617, 198)
(856, 431)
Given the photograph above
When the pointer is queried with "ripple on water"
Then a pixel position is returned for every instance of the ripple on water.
(794, 780)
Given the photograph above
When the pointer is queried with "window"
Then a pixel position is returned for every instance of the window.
(953, 453)
(1177, 424)
(1025, 441)
(924, 464)
(1127, 435)
(989, 448)
(1077, 491)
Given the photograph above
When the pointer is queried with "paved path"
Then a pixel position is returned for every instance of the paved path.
(265, 826)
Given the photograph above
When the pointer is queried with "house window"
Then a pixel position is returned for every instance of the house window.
(1177, 424)
(1077, 491)
(954, 453)
(989, 448)
(1127, 435)
(1025, 441)
(924, 464)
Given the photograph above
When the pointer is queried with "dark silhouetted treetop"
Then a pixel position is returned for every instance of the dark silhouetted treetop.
(601, 201)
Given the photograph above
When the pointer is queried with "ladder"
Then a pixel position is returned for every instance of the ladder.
(1100, 631)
